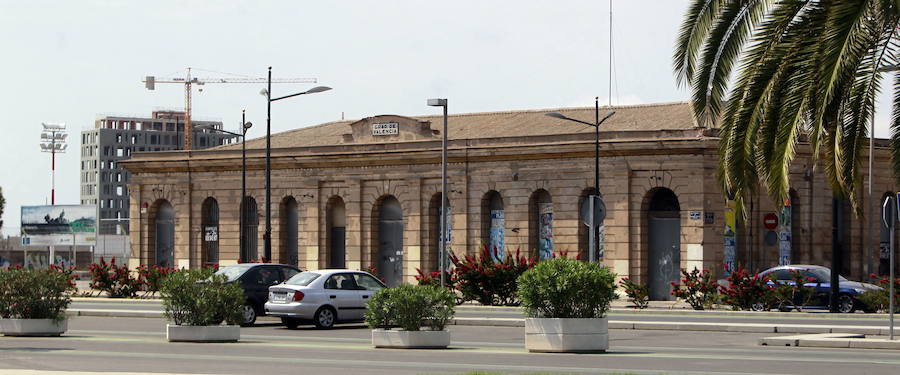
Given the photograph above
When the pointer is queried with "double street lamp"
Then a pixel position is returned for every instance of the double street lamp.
(595, 198)
(244, 127)
(442, 247)
(267, 92)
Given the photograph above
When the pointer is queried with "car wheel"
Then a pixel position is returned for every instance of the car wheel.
(846, 304)
(290, 323)
(759, 306)
(324, 318)
(249, 315)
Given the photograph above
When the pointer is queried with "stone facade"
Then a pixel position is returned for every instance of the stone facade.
(337, 164)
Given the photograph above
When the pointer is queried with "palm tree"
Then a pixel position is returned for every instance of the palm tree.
(770, 73)
(773, 73)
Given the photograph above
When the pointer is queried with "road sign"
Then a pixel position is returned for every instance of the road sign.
(599, 211)
(770, 221)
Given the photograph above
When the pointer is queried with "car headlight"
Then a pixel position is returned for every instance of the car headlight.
(860, 290)
(271, 296)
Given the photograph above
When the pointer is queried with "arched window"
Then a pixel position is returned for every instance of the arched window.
(493, 224)
(540, 224)
(250, 232)
(210, 224)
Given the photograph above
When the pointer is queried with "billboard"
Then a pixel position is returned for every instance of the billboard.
(59, 225)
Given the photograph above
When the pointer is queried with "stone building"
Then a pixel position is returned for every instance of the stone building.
(367, 193)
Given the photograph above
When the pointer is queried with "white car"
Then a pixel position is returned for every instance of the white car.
(323, 297)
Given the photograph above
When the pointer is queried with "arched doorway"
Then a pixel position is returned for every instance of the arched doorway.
(289, 253)
(250, 230)
(164, 236)
(336, 233)
(583, 230)
(664, 240)
(493, 224)
(210, 224)
(540, 225)
(390, 241)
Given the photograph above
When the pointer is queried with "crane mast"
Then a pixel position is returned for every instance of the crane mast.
(188, 80)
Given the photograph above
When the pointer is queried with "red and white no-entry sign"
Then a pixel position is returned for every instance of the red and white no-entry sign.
(770, 221)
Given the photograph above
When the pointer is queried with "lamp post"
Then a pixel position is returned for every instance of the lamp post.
(442, 247)
(597, 121)
(267, 237)
(244, 127)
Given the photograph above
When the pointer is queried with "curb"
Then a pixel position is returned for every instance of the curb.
(831, 340)
(613, 324)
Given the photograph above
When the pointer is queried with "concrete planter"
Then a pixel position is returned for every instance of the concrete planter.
(33, 327)
(566, 335)
(399, 339)
(219, 333)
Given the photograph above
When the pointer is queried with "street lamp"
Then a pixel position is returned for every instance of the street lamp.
(444, 201)
(53, 140)
(596, 196)
(267, 92)
(244, 127)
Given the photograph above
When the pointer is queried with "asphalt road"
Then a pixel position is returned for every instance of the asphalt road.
(466, 311)
(138, 345)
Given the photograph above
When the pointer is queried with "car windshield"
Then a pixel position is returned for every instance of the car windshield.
(233, 272)
(302, 278)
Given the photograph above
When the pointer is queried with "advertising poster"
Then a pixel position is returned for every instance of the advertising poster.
(449, 240)
(784, 234)
(498, 222)
(59, 225)
(545, 240)
(730, 237)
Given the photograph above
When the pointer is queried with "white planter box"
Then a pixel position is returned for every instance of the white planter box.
(382, 338)
(218, 333)
(567, 335)
(33, 327)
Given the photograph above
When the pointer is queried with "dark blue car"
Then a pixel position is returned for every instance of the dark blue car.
(820, 278)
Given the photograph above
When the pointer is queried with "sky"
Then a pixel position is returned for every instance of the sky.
(73, 61)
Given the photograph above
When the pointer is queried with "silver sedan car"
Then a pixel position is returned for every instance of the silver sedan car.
(323, 297)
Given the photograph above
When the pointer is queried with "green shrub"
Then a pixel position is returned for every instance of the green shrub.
(115, 281)
(491, 283)
(567, 288)
(697, 288)
(638, 294)
(878, 300)
(199, 298)
(411, 307)
(795, 293)
(35, 293)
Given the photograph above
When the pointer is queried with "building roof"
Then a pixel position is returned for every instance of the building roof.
(645, 117)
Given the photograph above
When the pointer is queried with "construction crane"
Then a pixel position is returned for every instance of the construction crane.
(188, 81)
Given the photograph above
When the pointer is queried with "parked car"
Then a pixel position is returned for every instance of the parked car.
(323, 297)
(255, 279)
(849, 291)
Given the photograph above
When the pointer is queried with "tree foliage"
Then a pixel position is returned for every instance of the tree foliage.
(773, 73)
(2, 206)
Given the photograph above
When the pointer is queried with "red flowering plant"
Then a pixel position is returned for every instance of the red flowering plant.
(434, 278)
(799, 292)
(747, 291)
(151, 277)
(116, 281)
(478, 278)
(697, 288)
(878, 299)
(638, 294)
(28, 293)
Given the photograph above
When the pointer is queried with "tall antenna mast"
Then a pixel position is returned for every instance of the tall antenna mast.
(610, 53)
